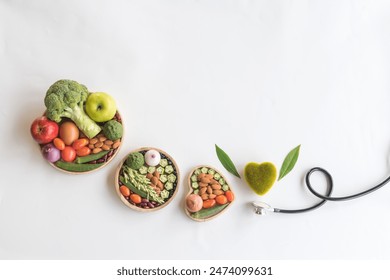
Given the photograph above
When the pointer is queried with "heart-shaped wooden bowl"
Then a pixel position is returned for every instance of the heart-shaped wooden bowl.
(210, 194)
(167, 177)
(103, 160)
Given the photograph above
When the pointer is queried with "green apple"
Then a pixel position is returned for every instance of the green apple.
(100, 107)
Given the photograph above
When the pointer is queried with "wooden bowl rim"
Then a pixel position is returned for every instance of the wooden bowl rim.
(139, 209)
(191, 191)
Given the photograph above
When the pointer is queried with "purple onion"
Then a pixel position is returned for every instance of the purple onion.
(51, 153)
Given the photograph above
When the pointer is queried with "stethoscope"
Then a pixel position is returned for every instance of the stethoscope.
(262, 208)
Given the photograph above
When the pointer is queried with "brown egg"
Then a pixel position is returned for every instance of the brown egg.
(69, 132)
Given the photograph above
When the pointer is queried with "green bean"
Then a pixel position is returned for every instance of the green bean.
(91, 157)
(206, 213)
(77, 167)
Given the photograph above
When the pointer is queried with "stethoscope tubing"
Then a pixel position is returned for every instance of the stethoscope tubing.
(327, 196)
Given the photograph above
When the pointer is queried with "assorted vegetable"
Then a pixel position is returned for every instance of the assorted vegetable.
(113, 130)
(75, 167)
(210, 193)
(80, 131)
(74, 141)
(135, 160)
(65, 99)
(51, 153)
(148, 179)
(152, 158)
(69, 132)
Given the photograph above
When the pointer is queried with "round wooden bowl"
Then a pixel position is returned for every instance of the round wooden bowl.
(100, 167)
(191, 190)
(133, 206)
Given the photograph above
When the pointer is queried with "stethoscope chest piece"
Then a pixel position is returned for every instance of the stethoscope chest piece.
(262, 208)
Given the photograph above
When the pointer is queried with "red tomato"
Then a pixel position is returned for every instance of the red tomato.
(208, 203)
(135, 198)
(221, 199)
(229, 196)
(59, 144)
(124, 191)
(83, 151)
(79, 143)
(68, 154)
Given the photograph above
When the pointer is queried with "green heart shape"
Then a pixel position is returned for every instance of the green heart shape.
(260, 177)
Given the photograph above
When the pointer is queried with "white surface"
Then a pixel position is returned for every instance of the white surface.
(255, 77)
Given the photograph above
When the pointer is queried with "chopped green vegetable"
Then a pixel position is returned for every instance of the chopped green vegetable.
(131, 187)
(194, 178)
(225, 188)
(164, 194)
(151, 169)
(172, 178)
(195, 185)
(204, 170)
(135, 160)
(168, 186)
(160, 170)
(143, 170)
(196, 191)
(163, 178)
(221, 181)
(211, 171)
(169, 169)
(197, 171)
(217, 176)
(163, 162)
(140, 182)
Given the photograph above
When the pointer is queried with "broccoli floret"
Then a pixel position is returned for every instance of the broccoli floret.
(65, 98)
(113, 130)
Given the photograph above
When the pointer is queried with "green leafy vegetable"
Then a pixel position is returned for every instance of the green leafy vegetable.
(226, 161)
(289, 162)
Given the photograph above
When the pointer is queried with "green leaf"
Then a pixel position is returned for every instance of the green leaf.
(226, 161)
(289, 162)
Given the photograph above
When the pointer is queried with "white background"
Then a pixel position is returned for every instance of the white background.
(255, 77)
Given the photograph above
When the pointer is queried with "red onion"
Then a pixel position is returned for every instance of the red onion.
(51, 153)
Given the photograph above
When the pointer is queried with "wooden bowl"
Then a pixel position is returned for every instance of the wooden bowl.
(173, 192)
(109, 159)
(197, 216)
